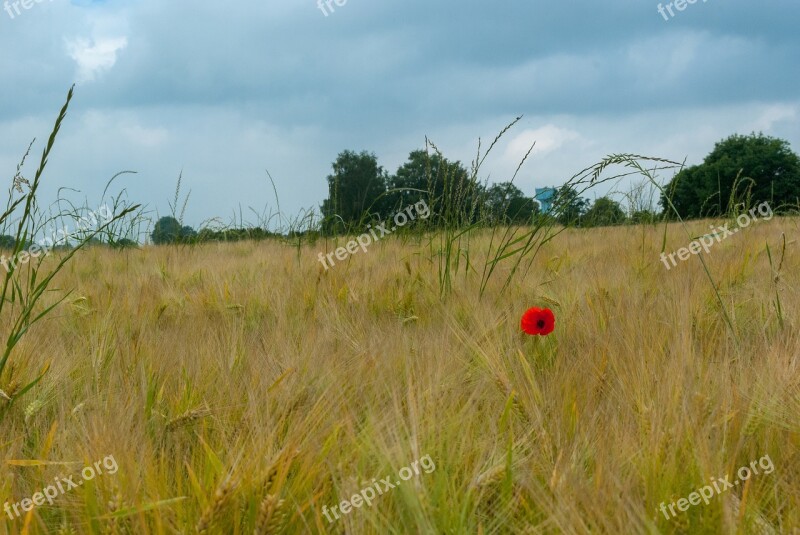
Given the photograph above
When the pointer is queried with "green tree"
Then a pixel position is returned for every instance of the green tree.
(169, 230)
(415, 180)
(453, 196)
(505, 203)
(641, 217)
(355, 186)
(604, 212)
(7, 242)
(568, 206)
(187, 233)
(709, 189)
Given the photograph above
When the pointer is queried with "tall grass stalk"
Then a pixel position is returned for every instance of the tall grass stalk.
(24, 287)
(635, 162)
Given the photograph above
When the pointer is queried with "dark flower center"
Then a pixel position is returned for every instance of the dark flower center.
(540, 324)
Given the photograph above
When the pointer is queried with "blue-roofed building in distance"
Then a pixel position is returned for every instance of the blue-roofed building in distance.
(545, 196)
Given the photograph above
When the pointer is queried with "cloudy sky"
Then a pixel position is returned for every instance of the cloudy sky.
(225, 91)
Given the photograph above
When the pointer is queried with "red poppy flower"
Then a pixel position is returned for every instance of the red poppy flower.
(538, 321)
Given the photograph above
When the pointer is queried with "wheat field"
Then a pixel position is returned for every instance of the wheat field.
(240, 388)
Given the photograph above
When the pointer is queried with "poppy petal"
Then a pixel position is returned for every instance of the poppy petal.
(538, 321)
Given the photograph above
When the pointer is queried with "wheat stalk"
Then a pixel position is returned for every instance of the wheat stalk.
(187, 418)
(271, 516)
(212, 512)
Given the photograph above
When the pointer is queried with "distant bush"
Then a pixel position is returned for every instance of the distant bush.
(604, 212)
(169, 230)
(232, 235)
(643, 217)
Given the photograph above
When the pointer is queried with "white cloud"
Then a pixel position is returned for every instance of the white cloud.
(95, 56)
(548, 138)
(776, 113)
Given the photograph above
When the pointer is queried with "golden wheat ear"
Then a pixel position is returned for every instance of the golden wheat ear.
(221, 498)
(271, 516)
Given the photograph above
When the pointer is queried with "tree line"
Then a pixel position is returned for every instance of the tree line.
(740, 170)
